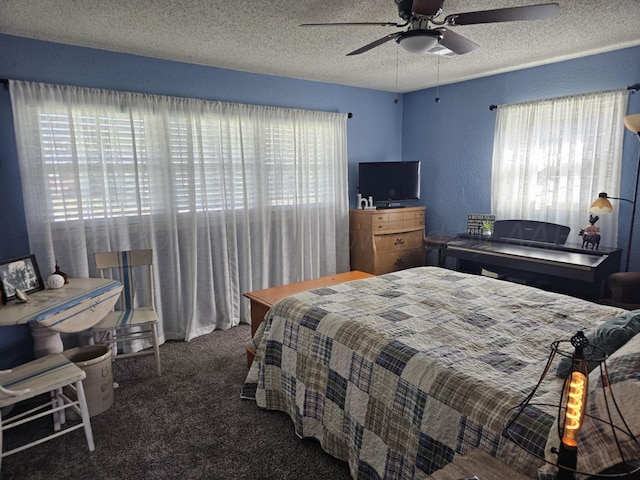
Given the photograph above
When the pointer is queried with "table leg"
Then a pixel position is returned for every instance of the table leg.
(45, 340)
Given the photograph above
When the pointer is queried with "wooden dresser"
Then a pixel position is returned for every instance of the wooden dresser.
(387, 240)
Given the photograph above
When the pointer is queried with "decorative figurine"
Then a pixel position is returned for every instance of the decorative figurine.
(55, 280)
(21, 296)
(365, 204)
(590, 234)
(487, 228)
(62, 274)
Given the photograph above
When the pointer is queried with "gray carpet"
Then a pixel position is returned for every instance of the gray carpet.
(190, 423)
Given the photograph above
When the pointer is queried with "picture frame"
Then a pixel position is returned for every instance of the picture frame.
(19, 273)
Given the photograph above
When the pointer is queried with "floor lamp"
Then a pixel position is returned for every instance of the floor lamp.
(602, 203)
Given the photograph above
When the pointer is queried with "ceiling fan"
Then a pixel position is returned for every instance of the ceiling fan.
(418, 15)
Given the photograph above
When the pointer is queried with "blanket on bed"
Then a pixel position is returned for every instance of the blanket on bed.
(397, 374)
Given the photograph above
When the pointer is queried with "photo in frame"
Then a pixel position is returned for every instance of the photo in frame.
(19, 273)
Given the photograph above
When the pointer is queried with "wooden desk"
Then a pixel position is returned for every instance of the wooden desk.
(565, 268)
(77, 306)
(263, 300)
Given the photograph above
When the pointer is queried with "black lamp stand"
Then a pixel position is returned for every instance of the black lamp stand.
(633, 209)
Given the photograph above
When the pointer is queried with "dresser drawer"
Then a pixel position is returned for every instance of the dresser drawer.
(397, 242)
(391, 262)
(387, 221)
(396, 221)
(413, 219)
(388, 216)
(379, 226)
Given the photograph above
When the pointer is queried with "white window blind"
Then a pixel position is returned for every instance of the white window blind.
(98, 166)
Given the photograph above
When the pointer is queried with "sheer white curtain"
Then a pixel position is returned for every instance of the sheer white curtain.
(230, 197)
(551, 158)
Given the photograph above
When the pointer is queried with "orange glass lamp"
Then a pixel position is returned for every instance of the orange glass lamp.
(571, 411)
(602, 205)
(574, 403)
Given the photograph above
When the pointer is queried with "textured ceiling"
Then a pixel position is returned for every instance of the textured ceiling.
(265, 37)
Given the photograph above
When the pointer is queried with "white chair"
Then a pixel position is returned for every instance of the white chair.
(46, 374)
(134, 317)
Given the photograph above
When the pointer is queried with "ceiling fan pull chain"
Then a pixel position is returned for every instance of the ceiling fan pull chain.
(437, 99)
(395, 100)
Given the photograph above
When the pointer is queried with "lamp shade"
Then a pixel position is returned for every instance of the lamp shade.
(632, 122)
(419, 41)
(601, 205)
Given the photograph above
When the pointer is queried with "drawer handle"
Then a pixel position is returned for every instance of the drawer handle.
(399, 262)
(399, 241)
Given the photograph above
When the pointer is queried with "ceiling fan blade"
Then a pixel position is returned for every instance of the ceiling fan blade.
(429, 8)
(351, 24)
(457, 43)
(531, 12)
(371, 45)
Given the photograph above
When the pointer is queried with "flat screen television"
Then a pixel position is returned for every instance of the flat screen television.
(389, 182)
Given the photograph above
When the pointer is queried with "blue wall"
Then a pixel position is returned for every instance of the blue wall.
(454, 138)
(374, 132)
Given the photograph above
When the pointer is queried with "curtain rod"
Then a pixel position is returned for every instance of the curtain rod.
(633, 88)
(5, 82)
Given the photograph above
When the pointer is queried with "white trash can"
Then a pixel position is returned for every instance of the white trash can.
(95, 360)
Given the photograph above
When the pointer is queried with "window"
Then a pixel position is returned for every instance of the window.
(230, 197)
(551, 158)
(99, 166)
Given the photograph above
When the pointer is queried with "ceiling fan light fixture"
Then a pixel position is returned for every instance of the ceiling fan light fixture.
(419, 41)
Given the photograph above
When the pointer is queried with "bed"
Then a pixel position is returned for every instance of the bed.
(399, 374)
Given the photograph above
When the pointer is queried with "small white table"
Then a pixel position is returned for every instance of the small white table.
(77, 306)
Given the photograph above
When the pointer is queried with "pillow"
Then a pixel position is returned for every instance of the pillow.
(609, 336)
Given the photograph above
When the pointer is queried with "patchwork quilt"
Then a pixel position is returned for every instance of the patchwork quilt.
(398, 374)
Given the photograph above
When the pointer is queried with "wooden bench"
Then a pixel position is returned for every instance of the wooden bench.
(263, 300)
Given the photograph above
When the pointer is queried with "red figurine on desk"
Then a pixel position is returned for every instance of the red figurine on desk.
(590, 234)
